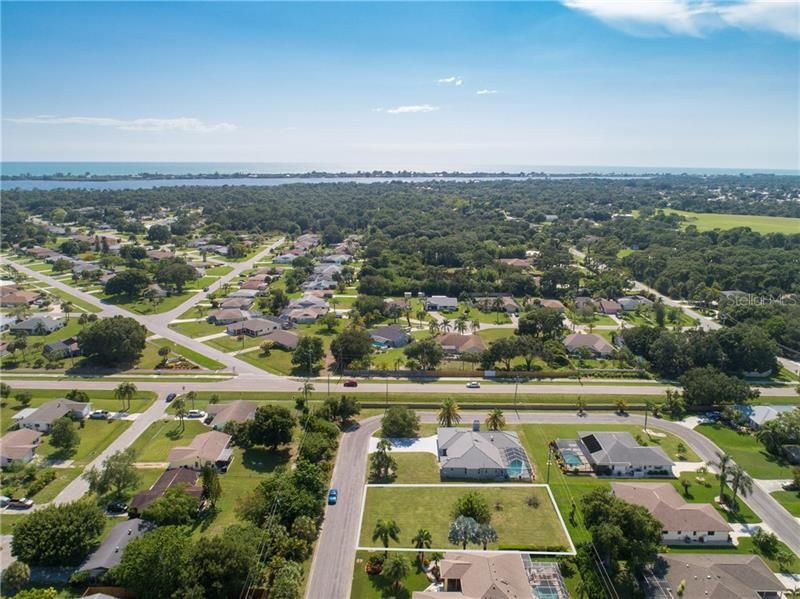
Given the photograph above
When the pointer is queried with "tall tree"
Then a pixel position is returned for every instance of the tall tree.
(422, 540)
(386, 530)
(722, 463)
(212, 489)
(449, 413)
(125, 392)
(495, 420)
(117, 474)
(395, 570)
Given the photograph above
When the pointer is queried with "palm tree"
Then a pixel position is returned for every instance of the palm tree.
(422, 316)
(581, 403)
(723, 463)
(307, 388)
(125, 392)
(445, 325)
(433, 327)
(649, 405)
(407, 314)
(740, 481)
(475, 325)
(448, 413)
(395, 570)
(180, 410)
(66, 308)
(495, 421)
(461, 325)
(422, 540)
(385, 530)
(497, 306)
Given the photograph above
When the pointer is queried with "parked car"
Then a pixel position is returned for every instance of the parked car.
(205, 289)
(116, 507)
(99, 415)
(20, 504)
(195, 414)
(351, 383)
(171, 396)
(4, 500)
(333, 495)
(473, 385)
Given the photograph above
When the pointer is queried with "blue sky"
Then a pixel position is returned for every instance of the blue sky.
(390, 85)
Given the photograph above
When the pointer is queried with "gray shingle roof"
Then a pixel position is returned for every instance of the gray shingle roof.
(619, 448)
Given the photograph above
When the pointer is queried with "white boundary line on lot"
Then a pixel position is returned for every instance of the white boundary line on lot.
(471, 486)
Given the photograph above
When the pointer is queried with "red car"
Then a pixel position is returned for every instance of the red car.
(351, 383)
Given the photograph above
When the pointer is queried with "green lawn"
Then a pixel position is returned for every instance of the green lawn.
(64, 476)
(790, 500)
(476, 314)
(75, 301)
(707, 221)
(142, 306)
(516, 522)
(245, 473)
(198, 328)
(489, 335)
(704, 491)
(747, 452)
(100, 400)
(230, 343)
(745, 546)
(597, 319)
(279, 361)
(95, 436)
(377, 587)
(414, 468)
(154, 444)
(189, 354)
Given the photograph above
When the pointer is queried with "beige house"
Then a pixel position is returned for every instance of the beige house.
(19, 446)
(206, 448)
(683, 523)
(454, 343)
(489, 575)
(240, 410)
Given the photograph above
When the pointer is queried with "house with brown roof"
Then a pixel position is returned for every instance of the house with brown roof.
(456, 344)
(683, 523)
(206, 448)
(517, 262)
(505, 304)
(553, 304)
(253, 285)
(160, 254)
(283, 339)
(594, 344)
(236, 303)
(168, 480)
(488, 575)
(18, 298)
(19, 446)
(711, 576)
(240, 410)
(609, 306)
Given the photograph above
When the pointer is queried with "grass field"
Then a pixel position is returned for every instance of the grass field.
(95, 436)
(414, 468)
(378, 587)
(705, 490)
(516, 522)
(790, 500)
(154, 444)
(198, 328)
(747, 452)
(76, 302)
(189, 354)
(707, 221)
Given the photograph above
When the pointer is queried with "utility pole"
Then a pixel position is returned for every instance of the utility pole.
(549, 461)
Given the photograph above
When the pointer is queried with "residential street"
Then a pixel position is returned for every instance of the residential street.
(331, 570)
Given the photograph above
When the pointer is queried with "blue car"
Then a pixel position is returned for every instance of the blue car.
(333, 495)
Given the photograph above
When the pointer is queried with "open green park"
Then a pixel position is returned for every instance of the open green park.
(708, 221)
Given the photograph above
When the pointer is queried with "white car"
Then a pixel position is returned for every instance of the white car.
(99, 415)
(195, 414)
(473, 385)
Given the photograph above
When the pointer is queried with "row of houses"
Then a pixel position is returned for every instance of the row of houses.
(627, 303)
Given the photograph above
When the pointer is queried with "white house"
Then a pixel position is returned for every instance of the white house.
(618, 454)
(206, 448)
(43, 417)
(441, 303)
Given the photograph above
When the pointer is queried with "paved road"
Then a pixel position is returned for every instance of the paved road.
(331, 569)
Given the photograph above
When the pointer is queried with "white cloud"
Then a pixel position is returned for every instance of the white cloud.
(486, 92)
(450, 81)
(693, 17)
(408, 109)
(144, 124)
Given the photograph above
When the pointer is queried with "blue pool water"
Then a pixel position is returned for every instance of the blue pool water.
(515, 468)
(571, 458)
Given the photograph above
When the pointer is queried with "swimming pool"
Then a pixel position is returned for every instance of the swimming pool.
(515, 469)
(571, 458)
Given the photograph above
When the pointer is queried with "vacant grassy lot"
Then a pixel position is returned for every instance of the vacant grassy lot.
(378, 587)
(142, 306)
(95, 436)
(198, 328)
(707, 221)
(78, 304)
(414, 468)
(154, 444)
(100, 400)
(516, 522)
(745, 547)
(747, 452)
(189, 354)
(790, 500)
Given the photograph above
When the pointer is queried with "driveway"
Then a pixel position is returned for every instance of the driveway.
(403, 445)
